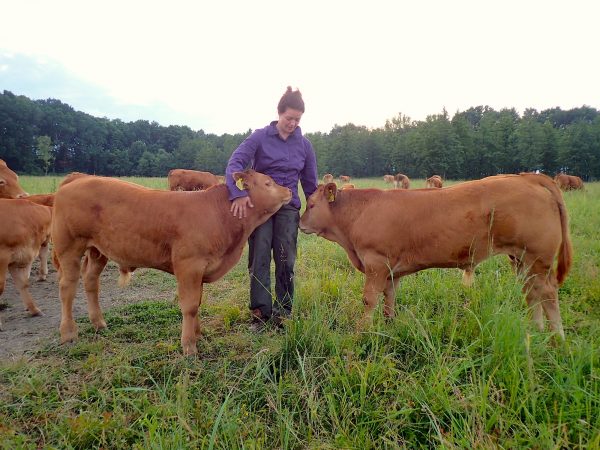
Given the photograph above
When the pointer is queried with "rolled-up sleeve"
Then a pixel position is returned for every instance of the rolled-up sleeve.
(240, 159)
(308, 174)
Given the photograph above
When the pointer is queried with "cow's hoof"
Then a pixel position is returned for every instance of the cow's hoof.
(190, 350)
(68, 334)
(42, 278)
(100, 325)
(36, 312)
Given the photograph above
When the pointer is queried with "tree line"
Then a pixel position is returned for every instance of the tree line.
(49, 136)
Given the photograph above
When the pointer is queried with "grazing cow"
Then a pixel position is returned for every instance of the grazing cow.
(327, 178)
(25, 229)
(9, 183)
(434, 181)
(192, 235)
(388, 179)
(568, 182)
(347, 186)
(523, 216)
(344, 178)
(190, 180)
(401, 181)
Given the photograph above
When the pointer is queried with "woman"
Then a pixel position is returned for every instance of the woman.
(282, 152)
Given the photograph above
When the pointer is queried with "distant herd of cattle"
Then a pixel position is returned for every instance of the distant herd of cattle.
(91, 220)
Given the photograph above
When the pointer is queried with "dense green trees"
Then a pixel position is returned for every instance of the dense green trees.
(48, 135)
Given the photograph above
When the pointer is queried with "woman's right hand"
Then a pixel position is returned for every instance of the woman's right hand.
(239, 207)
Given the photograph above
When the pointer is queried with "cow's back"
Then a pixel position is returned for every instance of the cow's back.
(123, 219)
(25, 225)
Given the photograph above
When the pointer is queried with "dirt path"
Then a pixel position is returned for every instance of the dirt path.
(24, 334)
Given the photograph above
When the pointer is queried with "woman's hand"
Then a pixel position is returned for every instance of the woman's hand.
(239, 205)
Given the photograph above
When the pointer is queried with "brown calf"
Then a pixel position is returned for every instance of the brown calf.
(190, 180)
(25, 229)
(568, 182)
(434, 181)
(390, 234)
(388, 178)
(192, 235)
(327, 178)
(401, 181)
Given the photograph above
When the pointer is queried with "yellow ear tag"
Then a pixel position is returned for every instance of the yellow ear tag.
(330, 197)
(240, 184)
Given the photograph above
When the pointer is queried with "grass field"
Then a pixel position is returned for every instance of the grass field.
(457, 368)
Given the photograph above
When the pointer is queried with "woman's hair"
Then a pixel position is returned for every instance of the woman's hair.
(290, 99)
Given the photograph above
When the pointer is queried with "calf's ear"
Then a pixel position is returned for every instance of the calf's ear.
(330, 190)
(240, 180)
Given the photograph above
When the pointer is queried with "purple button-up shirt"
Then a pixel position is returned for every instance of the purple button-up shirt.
(284, 161)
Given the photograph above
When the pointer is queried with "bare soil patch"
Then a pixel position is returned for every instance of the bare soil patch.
(23, 335)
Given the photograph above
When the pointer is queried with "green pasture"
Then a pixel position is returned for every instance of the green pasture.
(456, 368)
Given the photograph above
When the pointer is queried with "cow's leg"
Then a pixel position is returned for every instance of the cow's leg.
(43, 256)
(3, 269)
(375, 284)
(189, 285)
(68, 279)
(20, 276)
(94, 263)
(468, 277)
(542, 295)
(389, 295)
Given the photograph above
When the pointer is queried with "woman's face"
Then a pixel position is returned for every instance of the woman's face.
(289, 120)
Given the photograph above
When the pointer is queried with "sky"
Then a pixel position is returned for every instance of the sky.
(221, 66)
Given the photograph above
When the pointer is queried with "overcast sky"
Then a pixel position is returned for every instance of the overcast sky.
(221, 66)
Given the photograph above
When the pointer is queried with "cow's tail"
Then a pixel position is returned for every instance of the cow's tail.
(565, 251)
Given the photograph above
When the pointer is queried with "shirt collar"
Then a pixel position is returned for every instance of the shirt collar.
(272, 130)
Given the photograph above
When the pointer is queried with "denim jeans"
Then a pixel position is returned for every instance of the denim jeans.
(278, 235)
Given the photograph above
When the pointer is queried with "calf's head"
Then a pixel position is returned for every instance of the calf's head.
(266, 195)
(317, 217)
(9, 183)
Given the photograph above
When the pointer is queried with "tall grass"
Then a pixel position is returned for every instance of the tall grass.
(456, 368)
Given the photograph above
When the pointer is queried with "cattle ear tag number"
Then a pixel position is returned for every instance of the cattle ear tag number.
(240, 184)
(330, 197)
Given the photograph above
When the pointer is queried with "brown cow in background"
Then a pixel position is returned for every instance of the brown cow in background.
(388, 178)
(327, 178)
(401, 181)
(25, 229)
(568, 182)
(434, 181)
(193, 236)
(190, 180)
(9, 183)
(344, 178)
(388, 234)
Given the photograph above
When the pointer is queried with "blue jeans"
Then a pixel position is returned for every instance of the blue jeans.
(279, 235)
